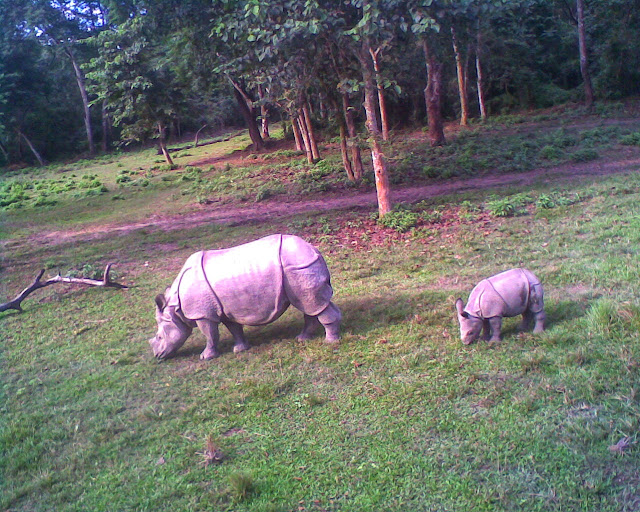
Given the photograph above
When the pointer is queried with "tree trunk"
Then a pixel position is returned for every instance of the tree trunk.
(106, 128)
(480, 77)
(296, 134)
(33, 149)
(305, 136)
(4, 152)
(197, 141)
(249, 118)
(384, 118)
(264, 113)
(356, 157)
(163, 144)
(85, 100)
(462, 80)
(377, 156)
(433, 97)
(584, 57)
(312, 136)
(344, 150)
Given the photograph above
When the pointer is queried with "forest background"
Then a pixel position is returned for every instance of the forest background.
(77, 78)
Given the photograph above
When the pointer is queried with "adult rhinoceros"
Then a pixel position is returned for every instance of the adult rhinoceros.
(251, 284)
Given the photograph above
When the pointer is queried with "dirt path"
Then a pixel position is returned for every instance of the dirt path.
(278, 208)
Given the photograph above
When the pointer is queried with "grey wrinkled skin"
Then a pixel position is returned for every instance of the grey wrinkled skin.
(251, 284)
(513, 292)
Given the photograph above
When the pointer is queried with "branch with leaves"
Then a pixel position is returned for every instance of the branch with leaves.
(38, 283)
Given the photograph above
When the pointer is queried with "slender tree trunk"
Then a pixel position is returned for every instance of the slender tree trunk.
(33, 149)
(462, 80)
(433, 97)
(249, 118)
(163, 144)
(197, 141)
(296, 134)
(377, 156)
(356, 156)
(584, 56)
(85, 100)
(264, 113)
(4, 152)
(384, 118)
(305, 136)
(480, 77)
(344, 151)
(312, 136)
(106, 128)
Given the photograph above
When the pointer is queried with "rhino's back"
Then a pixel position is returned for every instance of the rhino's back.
(505, 294)
(247, 280)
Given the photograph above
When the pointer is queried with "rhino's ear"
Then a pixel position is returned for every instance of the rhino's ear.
(460, 309)
(161, 301)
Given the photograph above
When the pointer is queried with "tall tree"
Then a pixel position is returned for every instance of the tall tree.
(134, 80)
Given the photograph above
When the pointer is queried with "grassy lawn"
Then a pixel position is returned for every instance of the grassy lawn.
(399, 415)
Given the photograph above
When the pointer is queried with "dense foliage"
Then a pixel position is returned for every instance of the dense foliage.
(74, 74)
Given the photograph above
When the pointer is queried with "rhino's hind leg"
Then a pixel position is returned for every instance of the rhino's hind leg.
(240, 343)
(539, 319)
(527, 316)
(330, 319)
(310, 325)
(211, 332)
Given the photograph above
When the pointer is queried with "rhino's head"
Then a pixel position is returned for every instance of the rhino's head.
(470, 326)
(173, 330)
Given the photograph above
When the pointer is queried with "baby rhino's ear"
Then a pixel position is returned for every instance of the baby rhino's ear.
(161, 301)
(460, 309)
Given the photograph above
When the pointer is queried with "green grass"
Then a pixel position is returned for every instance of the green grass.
(398, 416)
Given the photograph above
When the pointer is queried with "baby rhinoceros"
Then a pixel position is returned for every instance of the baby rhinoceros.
(251, 284)
(513, 292)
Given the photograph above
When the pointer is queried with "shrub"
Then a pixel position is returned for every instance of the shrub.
(400, 220)
(633, 139)
(585, 155)
(550, 153)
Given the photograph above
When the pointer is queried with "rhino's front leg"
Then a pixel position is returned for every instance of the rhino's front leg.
(486, 330)
(240, 343)
(310, 325)
(496, 326)
(210, 331)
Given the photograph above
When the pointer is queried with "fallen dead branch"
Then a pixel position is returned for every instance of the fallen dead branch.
(37, 284)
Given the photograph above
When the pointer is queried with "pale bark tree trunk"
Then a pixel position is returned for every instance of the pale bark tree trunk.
(197, 141)
(462, 80)
(32, 148)
(480, 77)
(4, 152)
(163, 144)
(85, 100)
(584, 56)
(264, 114)
(312, 136)
(106, 128)
(356, 156)
(377, 156)
(433, 97)
(384, 118)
